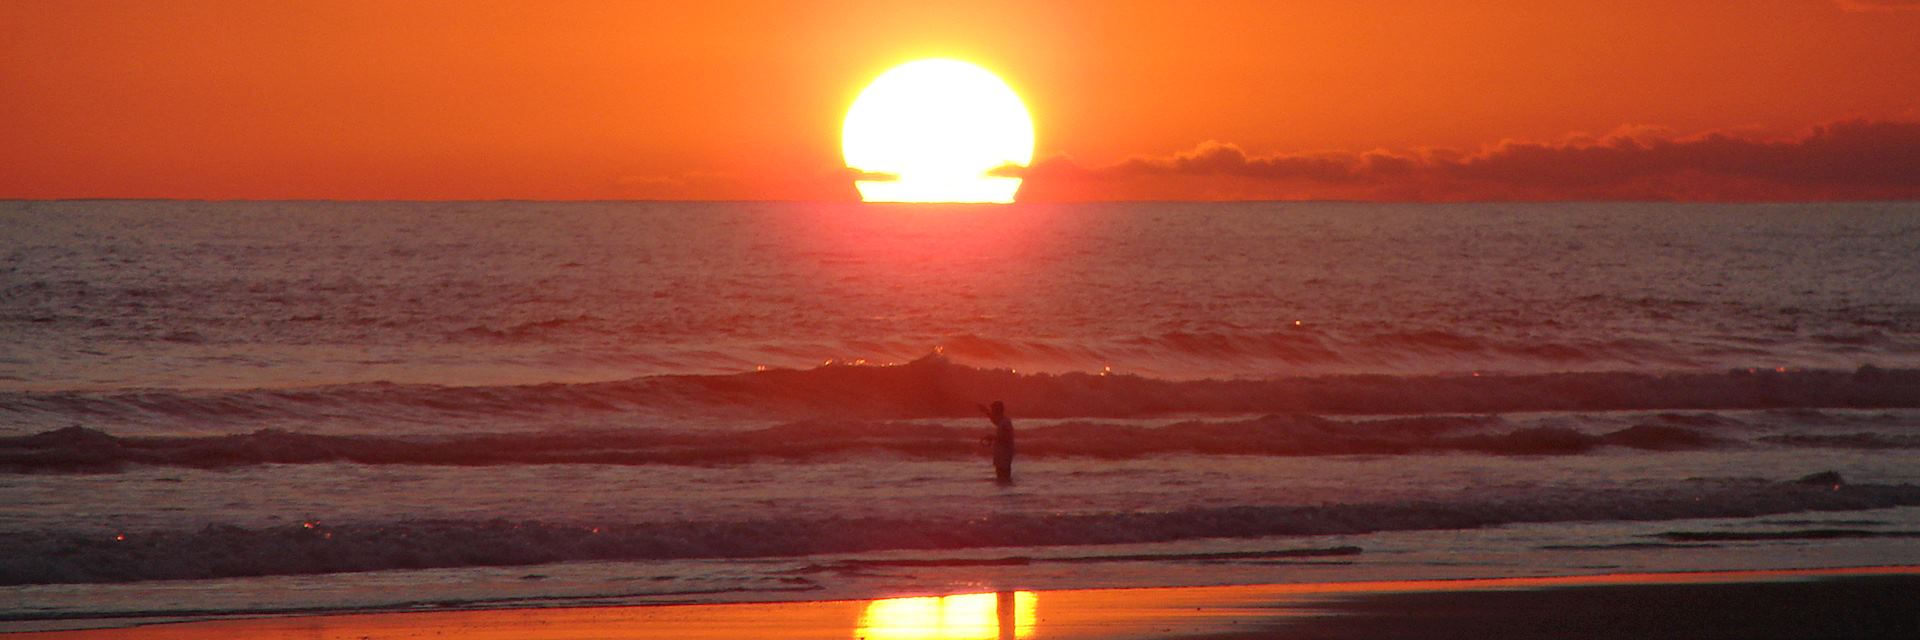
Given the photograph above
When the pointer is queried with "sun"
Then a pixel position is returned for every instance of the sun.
(932, 130)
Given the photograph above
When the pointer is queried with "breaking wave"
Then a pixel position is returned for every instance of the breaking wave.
(79, 449)
(42, 557)
(1864, 440)
(1797, 534)
(934, 387)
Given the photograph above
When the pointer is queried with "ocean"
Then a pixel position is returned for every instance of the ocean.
(237, 408)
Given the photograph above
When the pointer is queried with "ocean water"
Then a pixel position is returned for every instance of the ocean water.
(214, 408)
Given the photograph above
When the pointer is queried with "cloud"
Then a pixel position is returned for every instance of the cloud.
(1846, 160)
(677, 180)
(821, 183)
(1008, 170)
(871, 176)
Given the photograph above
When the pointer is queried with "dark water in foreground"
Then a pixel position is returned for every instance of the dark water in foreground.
(270, 406)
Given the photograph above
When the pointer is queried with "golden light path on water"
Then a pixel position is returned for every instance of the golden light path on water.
(1006, 615)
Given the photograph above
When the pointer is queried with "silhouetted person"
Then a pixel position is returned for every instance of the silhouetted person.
(1002, 442)
(1004, 605)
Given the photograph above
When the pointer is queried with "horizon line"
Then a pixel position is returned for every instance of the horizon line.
(991, 204)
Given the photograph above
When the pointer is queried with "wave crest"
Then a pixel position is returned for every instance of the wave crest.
(83, 450)
(934, 387)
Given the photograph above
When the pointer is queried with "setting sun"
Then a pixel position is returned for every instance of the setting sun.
(932, 130)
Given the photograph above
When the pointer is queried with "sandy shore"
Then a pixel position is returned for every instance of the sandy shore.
(1831, 603)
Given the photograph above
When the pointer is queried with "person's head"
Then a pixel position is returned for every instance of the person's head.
(999, 409)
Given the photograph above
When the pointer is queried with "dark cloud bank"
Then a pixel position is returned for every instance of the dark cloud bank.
(1846, 160)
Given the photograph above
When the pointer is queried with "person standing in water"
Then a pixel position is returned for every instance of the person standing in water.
(1002, 442)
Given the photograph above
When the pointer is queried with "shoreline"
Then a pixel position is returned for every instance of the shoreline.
(1855, 602)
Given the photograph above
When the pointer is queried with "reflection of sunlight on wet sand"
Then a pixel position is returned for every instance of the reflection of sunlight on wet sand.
(1071, 615)
(973, 616)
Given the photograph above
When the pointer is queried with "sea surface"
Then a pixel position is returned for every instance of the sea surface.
(220, 408)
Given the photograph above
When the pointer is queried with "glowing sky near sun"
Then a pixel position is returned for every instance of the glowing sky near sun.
(1397, 100)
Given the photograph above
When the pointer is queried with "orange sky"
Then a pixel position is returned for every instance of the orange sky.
(743, 100)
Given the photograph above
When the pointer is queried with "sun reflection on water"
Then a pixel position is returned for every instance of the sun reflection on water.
(975, 616)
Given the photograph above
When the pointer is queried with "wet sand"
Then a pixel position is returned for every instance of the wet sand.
(1834, 603)
(1842, 606)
